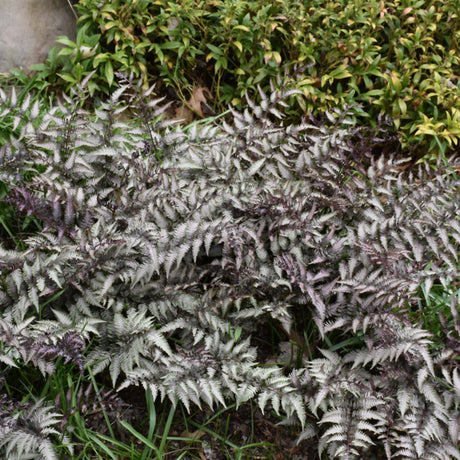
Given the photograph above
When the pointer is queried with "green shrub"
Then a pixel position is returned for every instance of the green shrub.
(401, 58)
(164, 253)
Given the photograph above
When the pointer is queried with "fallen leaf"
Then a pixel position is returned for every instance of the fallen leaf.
(183, 113)
(198, 97)
(195, 435)
(187, 112)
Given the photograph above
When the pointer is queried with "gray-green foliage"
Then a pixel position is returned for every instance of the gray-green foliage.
(26, 434)
(169, 249)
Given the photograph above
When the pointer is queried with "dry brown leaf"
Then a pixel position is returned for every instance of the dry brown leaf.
(195, 435)
(187, 112)
(199, 94)
(183, 113)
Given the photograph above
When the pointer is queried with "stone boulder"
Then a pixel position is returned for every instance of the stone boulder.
(29, 28)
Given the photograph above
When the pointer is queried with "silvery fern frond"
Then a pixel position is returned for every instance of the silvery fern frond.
(168, 250)
(30, 433)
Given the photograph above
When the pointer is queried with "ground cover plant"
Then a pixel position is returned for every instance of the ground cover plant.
(396, 57)
(162, 256)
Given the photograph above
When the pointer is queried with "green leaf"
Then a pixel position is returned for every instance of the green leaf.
(67, 77)
(141, 437)
(242, 27)
(237, 334)
(108, 71)
(101, 57)
(170, 45)
(215, 50)
(66, 41)
(340, 73)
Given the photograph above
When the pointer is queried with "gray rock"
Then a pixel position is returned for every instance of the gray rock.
(29, 28)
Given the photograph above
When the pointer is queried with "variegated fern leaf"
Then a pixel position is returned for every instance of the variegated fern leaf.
(169, 248)
(29, 432)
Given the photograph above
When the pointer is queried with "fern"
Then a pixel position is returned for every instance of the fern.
(29, 433)
(163, 251)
